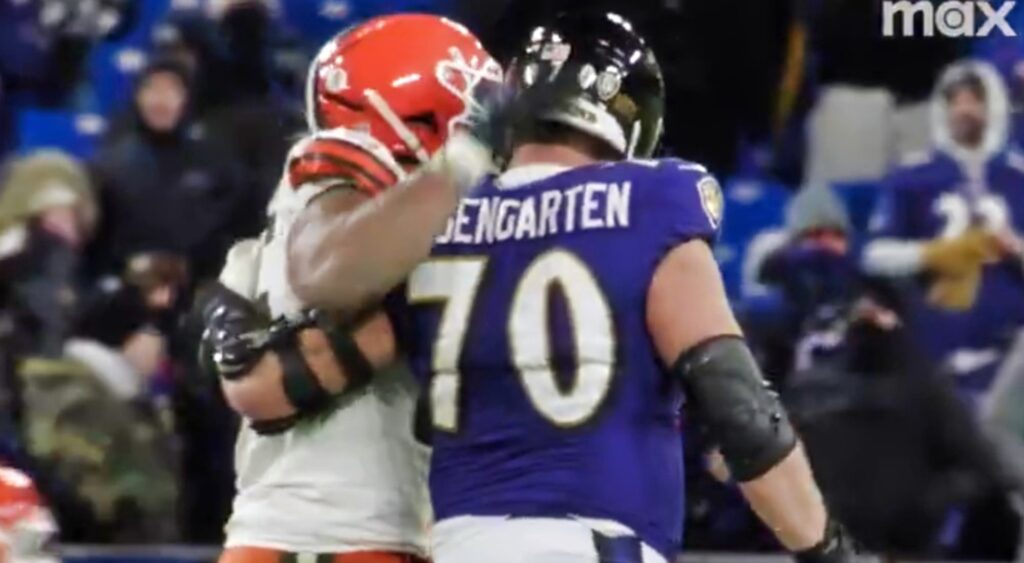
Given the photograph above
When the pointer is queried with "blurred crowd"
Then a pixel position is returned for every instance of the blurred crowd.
(886, 299)
(101, 258)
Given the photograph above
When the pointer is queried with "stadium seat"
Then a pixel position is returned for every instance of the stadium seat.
(316, 21)
(113, 64)
(752, 206)
(74, 133)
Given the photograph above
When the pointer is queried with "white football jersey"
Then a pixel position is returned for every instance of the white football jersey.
(352, 480)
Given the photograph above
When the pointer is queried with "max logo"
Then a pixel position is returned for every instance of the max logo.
(952, 18)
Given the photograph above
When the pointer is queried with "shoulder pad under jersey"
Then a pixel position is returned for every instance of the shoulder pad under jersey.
(683, 193)
(341, 158)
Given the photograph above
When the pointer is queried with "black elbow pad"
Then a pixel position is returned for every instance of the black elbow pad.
(736, 406)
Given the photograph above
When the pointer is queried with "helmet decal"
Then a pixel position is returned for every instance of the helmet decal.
(461, 77)
(409, 98)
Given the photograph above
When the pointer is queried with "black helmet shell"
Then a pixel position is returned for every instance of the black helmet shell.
(618, 93)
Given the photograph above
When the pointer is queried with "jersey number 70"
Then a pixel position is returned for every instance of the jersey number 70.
(453, 283)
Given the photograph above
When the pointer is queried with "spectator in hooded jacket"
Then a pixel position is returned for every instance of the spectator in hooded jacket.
(948, 225)
(164, 186)
(47, 212)
(236, 92)
(812, 270)
(190, 39)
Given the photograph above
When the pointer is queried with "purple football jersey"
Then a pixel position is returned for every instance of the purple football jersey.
(934, 199)
(528, 329)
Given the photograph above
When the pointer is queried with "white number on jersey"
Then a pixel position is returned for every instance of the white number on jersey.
(454, 283)
(956, 210)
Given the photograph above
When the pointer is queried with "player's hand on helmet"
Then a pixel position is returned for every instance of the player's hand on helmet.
(501, 109)
(499, 113)
(961, 256)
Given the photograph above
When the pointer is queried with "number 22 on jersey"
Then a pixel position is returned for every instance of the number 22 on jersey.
(958, 214)
(453, 283)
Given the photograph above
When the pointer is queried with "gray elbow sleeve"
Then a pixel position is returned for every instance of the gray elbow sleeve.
(736, 406)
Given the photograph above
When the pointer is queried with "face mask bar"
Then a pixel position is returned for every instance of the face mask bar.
(634, 138)
(391, 118)
(473, 72)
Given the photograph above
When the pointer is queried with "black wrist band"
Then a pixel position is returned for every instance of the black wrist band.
(835, 547)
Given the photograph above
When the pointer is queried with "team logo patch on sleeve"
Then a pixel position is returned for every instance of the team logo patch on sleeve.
(711, 200)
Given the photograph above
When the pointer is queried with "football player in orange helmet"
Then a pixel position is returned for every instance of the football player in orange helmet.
(320, 478)
(28, 532)
(585, 101)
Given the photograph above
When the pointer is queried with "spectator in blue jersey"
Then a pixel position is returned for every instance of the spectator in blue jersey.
(948, 225)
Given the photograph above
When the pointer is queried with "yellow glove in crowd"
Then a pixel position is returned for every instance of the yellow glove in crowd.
(956, 264)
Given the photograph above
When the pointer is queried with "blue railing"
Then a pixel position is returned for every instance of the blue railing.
(139, 554)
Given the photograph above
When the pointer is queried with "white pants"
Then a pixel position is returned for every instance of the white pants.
(498, 539)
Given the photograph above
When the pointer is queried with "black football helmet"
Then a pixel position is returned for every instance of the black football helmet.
(615, 89)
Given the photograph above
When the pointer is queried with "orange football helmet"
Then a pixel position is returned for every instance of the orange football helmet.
(406, 79)
(28, 531)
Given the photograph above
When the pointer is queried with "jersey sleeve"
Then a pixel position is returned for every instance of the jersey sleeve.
(684, 203)
(342, 158)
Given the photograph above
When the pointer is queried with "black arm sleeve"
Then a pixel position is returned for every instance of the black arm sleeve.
(736, 406)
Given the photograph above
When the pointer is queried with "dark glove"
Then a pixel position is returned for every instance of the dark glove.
(498, 116)
(236, 334)
(836, 547)
(502, 110)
